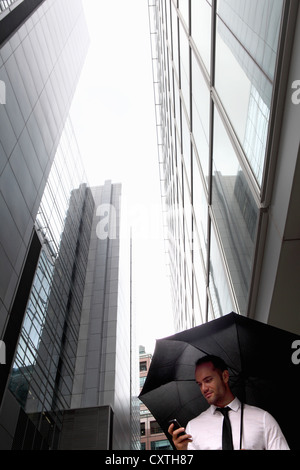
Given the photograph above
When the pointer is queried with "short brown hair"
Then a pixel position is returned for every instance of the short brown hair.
(217, 362)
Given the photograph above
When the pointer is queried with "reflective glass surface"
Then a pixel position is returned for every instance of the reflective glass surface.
(201, 29)
(43, 368)
(40, 65)
(246, 49)
(199, 282)
(184, 10)
(186, 151)
(174, 43)
(200, 207)
(185, 68)
(220, 294)
(220, 89)
(235, 211)
(200, 110)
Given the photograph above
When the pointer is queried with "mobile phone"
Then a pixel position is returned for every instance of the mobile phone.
(176, 426)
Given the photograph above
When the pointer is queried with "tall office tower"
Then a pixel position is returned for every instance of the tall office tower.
(43, 45)
(41, 372)
(226, 79)
(70, 384)
(102, 415)
(65, 308)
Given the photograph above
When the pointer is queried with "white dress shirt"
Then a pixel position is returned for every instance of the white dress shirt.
(260, 429)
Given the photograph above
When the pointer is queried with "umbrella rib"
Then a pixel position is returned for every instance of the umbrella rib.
(235, 369)
(204, 351)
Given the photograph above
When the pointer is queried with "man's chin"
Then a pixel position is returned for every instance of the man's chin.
(210, 399)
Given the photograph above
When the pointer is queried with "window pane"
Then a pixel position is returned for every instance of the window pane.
(200, 207)
(201, 28)
(235, 211)
(161, 445)
(155, 428)
(184, 10)
(246, 49)
(200, 125)
(184, 68)
(200, 280)
(174, 19)
(218, 284)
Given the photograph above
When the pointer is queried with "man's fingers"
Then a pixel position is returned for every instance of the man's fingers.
(170, 429)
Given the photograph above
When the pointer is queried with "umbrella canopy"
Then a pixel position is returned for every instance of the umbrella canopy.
(259, 360)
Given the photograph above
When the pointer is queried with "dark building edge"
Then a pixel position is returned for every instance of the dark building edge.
(14, 325)
(16, 18)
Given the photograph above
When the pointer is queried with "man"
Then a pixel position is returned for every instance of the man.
(259, 429)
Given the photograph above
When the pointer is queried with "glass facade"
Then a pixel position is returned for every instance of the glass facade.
(64, 282)
(43, 369)
(214, 68)
(43, 47)
(76, 345)
(40, 64)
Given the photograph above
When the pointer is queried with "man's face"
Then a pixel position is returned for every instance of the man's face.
(212, 383)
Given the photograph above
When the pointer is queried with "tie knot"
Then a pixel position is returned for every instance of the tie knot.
(224, 411)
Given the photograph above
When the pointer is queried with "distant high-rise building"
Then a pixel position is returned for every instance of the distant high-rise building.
(64, 273)
(102, 411)
(43, 47)
(225, 74)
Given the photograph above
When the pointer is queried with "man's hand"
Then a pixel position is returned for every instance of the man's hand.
(180, 442)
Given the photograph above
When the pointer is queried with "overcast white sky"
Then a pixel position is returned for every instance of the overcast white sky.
(113, 116)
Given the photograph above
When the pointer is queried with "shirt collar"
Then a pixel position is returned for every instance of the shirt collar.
(234, 405)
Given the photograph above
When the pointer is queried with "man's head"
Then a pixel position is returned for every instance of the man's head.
(212, 376)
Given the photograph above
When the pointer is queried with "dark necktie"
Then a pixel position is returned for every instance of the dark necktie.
(226, 433)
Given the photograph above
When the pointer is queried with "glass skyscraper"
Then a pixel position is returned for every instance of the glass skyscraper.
(223, 71)
(42, 372)
(43, 47)
(65, 272)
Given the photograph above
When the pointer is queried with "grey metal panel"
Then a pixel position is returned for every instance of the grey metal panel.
(87, 429)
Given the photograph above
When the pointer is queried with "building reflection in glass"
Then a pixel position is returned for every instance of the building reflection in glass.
(44, 363)
(214, 72)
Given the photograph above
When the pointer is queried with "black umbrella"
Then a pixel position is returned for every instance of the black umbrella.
(260, 362)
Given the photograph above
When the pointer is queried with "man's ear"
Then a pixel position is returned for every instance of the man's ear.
(225, 375)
